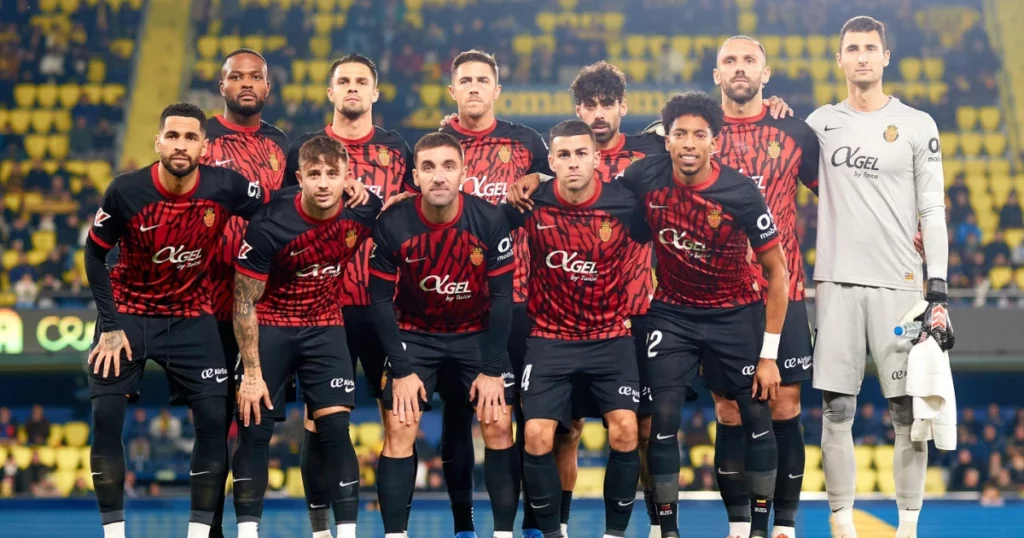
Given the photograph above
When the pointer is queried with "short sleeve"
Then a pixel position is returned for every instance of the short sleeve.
(539, 155)
(383, 263)
(755, 218)
(247, 197)
(257, 251)
(109, 223)
(499, 246)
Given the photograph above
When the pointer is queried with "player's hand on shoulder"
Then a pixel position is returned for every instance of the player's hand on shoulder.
(397, 198)
(777, 107)
(357, 193)
(445, 121)
(406, 394)
(108, 352)
(252, 391)
(489, 393)
(519, 195)
(766, 380)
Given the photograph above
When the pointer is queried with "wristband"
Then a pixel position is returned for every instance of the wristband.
(770, 347)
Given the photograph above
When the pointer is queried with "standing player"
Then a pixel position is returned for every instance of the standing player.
(881, 171)
(582, 266)
(450, 256)
(242, 141)
(168, 220)
(286, 314)
(708, 309)
(381, 161)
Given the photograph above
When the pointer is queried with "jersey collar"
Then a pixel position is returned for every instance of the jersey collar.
(752, 119)
(154, 171)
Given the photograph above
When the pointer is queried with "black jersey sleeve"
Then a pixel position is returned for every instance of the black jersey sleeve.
(257, 250)
(247, 197)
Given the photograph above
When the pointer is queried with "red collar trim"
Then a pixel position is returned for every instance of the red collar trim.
(154, 171)
(483, 132)
(235, 127)
(350, 141)
(715, 173)
(309, 218)
(443, 225)
(584, 204)
(752, 119)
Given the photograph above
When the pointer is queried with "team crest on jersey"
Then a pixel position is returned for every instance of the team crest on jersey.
(714, 218)
(891, 134)
(505, 153)
(209, 218)
(774, 149)
(476, 257)
(383, 157)
(350, 238)
(606, 231)
(275, 165)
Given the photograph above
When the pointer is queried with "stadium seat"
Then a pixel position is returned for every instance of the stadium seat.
(94, 92)
(320, 46)
(64, 481)
(276, 43)
(370, 433)
(41, 121)
(817, 46)
(96, 72)
(47, 456)
(935, 480)
(229, 44)
(9, 257)
(772, 46)
(814, 480)
(910, 69)
(819, 69)
(314, 93)
(48, 6)
(712, 430)
(522, 44)
(1014, 237)
(86, 458)
(883, 457)
(951, 167)
(637, 70)
(971, 143)
(934, 68)
(747, 22)
(1000, 277)
(614, 21)
(76, 434)
(590, 481)
(293, 94)
(995, 144)
(594, 436)
(100, 174)
(67, 458)
(989, 117)
(966, 118)
(68, 95)
(949, 142)
(430, 94)
(699, 452)
(794, 46)
(47, 95)
(19, 120)
(207, 46)
(293, 482)
(886, 481)
(636, 46)
(112, 93)
(22, 455)
(46, 240)
(319, 71)
(57, 146)
(703, 43)
(275, 478)
(867, 480)
(686, 474)
(682, 44)
(35, 145)
(368, 475)
(25, 95)
(865, 455)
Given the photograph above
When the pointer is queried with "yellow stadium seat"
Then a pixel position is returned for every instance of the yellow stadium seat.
(989, 117)
(522, 44)
(48, 6)
(64, 481)
(935, 480)
(747, 22)
(999, 167)
(971, 143)
(546, 21)
(25, 95)
(42, 121)
(568, 5)
(86, 459)
(100, 174)
(545, 42)
(9, 257)
(367, 475)
(910, 69)
(207, 70)
(975, 168)
(61, 120)
(712, 430)
(207, 46)
(594, 436)
(820, 68)
(995, 144)
(937, 92)
(320, 46)
(772, 47)
(275, 478)
(951, 167)
(981, 202)
(999, 186)
(76, 434)
(300, 71)
(699, 452)
(97, 71)
(323, 23)
(112, 93)
(794, 46)
(949, 142)
(814, 480)
(315, 93)
(883, 457)
(613, 21)
(1000, 277)
(22, 455)
(47, 95)
(1018, 278)
(293, 482)
(682, 44)
(229, 44)
(817, 46)
(94, 91)
(69, 6)
(590, 481)
(636, 45)
(47, 455)
(638, 70)
(19, 120)
(1014, 237)
(656, 44)
(864, 455)
(276, 42)
(293, 93)
(46, 240)
(370, 433)
(886, 481)
(57, 146)
(67, 458)
(823, 93)
(35, 145)
(430, 94)
(703, 43)
(686, 474)
(5, 117)
(966, 118)
(867, 480)
(934, 68)
(69, 94)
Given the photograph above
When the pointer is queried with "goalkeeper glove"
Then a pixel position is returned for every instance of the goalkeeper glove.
(935, 320)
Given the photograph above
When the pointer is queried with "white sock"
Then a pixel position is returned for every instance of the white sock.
(844, 517)
(502, 534)
(199, 530)
(346, 530)
(114, 530)
(565, 530)
(322, 534)
(788, 532)
(248, 529)
(908, 524)
(739, 528)
(655, 531)
(392, 535)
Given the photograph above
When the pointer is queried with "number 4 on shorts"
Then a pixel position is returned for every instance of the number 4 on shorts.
(526, 377)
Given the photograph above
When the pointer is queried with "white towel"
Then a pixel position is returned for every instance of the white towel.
(930, 383)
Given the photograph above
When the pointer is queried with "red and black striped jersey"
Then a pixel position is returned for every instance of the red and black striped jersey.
(614, 161)
(496, 158)
(258, 153)
(302, 259)
(442, 269)
(167, 239)
(776, 154)
(701, 233)
(383, 163)
(580, 269)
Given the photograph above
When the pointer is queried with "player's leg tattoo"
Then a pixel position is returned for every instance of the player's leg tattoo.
(341, 468)
(541, 476)
(396, 477)
(910, 463)
(250, 465)
(107, 460)
(567, 456)
(623, 471)
(790, 440)
(457, 462)
(209, 460)
(663, 458)
(837, 456)
(730, 467)
(502, 473)
(761, 462)
(311, 463)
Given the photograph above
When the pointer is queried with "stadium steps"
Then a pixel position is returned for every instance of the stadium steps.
(158, 74)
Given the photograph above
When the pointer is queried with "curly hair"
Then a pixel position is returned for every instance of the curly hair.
(597, 81)
(693, 103)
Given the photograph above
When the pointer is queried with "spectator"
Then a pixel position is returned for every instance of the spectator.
(20, 232)
(812, 426)
(967, 228)
(958, 188)
(969, 420)
(37, 179)
(997, 247)
(37, 427)
(994, 417)
(1010, 216)
(991, 496)
(131, 490)
(164, 434)
(26, 291)
(697, 430)
(31, 476)
(9, 472)
(867, 428)
(81, 142)
(8, 427)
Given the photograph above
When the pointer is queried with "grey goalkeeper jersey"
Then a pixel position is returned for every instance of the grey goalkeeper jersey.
(877, 172)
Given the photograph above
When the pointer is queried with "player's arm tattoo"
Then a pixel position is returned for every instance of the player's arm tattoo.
(248, 290)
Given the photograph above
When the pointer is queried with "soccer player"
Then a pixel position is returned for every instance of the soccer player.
(242, 141)
(381, 161)
(582, 266)
(168, 220)
(708, 310)
(287, 323)
(450, 256)
(880, 171)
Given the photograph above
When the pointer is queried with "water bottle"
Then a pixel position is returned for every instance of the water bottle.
(909, 331)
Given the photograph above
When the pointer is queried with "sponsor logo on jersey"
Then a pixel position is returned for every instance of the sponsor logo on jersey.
(766, 225)
(891, 134)
(340, 382)
(851, 158)
(220, 374)
(579, 269)
(803, 362)
(209, 217)
(179, 256)
(243, 252)
(936, 149)
(504, 249)
(714, 218)
(626, 390)
(101, 216)
(679, 240)
(479, 187)
(319, 271)
(774, 149)
(476, 256)
(453, 291)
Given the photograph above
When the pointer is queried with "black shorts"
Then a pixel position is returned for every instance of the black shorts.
(447, 364)
(517, 336)
(585, 405)
(720, 345)
(795, 348)
(234, 361)
(556, 370)
(317, 357)
(188, 349)
(365, 345)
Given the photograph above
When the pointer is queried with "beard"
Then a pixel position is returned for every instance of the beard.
(353, 111)
(742, 96)
(605, 136)
(177, 172)
(245, 110)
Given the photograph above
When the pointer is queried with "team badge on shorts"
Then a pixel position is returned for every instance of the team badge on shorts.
(891, 134)
(275, 164)
(350, 238)
(209, 218)
(714, 218)
(383, 157)
(505, 153)
(774, 149)
(606, 231)
(476, 257)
